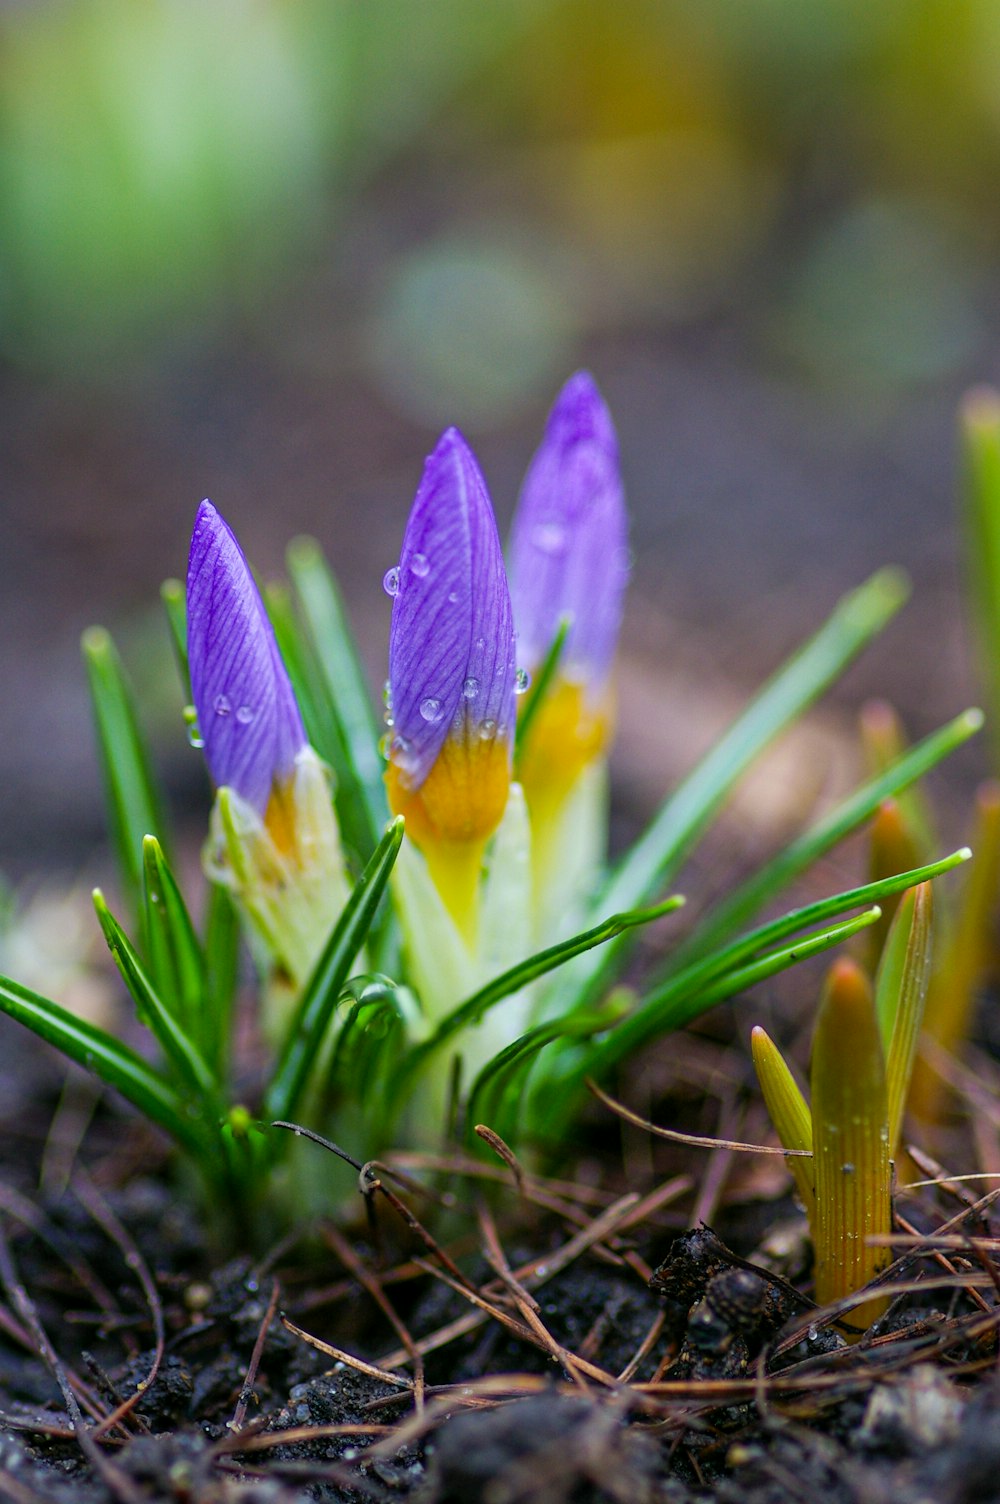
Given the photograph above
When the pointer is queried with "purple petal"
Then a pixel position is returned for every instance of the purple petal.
(247, 714)
(451, 641)
(569, 546)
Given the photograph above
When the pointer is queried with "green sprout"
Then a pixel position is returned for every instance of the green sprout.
(844, 1140)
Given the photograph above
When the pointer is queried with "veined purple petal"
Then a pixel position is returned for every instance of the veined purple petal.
(247, 713)
(451, 641)
(569, 541)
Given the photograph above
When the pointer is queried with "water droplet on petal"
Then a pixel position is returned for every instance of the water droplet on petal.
(387, 695)
(389, 718)
(480, 643)
(522, 681)
(420, 566)
(487, 731)
(453, 597)
(431, 709)
(549, 537)
(245, 714)
(470, 688)
(194, 735)
(390, 581)
(221, 705)
(385, 746)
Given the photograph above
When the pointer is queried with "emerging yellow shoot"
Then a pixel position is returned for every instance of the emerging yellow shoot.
(789, 1113)
(850, 1142)
(893, 847)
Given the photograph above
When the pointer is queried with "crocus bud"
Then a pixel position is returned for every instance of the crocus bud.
(451, 676)
(274, 840)
(569, 563)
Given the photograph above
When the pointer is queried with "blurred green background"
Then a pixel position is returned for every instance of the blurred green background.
(263, 250)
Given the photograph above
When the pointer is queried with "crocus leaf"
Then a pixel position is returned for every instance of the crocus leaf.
(657, 855)
(901, 992)
(175, 956)
(496, 1097)
(112, 1061)
(172, 596)
(222, 951)
(304, 1037)
(474, 1009)
(344, 728)
(180, 1049)
(750, 897)
(788, 1111)
(687, 993)
(980, 435)
(540, 683)
(132, 791)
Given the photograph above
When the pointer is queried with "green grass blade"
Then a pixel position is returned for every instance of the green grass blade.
(174, 600)
(774, 877)
(677, 1008)
(980, 435)
(222, 957)
(179, 1048)
(115, 1064)
(343, 703)
(654, 859)
(134, 800)
(175, 956)
(539, 687)
(658, 1008)
(306, 1031)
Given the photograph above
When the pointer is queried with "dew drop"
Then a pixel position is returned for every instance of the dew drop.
(420, 566)
(389, 718)
(480, 643)
(470, 688)
(245, 714)
(522, 681)
(487, 731)
(390, 581)
(549, 537)
(221, 705)
(453, 597)
(194, 735)
(431, 709)
(387, 695)
(385, 746)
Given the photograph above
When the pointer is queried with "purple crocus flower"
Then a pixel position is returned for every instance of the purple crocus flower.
(247, 715)
(451, 671)
(569, 543)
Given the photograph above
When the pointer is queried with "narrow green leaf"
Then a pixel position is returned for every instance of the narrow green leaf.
(901, 992)
(775, 876)
(980, 434)
(113, 1062)
(222, 955)
(540, 684)
(173, 596)
(474, 1008)
(678, 998)
(179, 1048)
(175, 957)
(344, 719)
(500, 1085)
(133, 795)
(628, 1036)
(305, 1034)
(655, 858)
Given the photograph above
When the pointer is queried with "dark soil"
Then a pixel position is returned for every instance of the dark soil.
(581, 1348)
